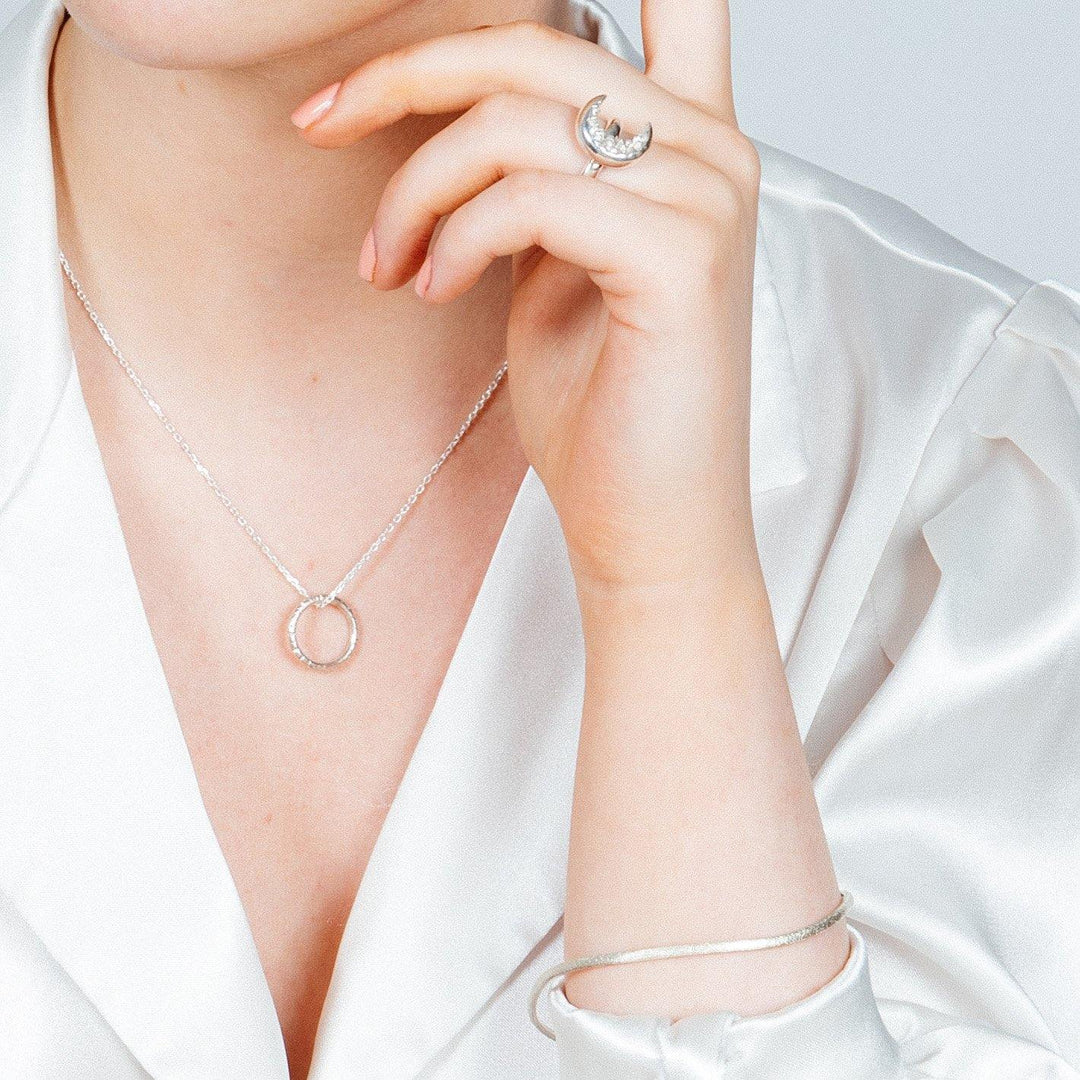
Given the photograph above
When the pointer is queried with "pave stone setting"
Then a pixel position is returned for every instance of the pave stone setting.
(604, 142)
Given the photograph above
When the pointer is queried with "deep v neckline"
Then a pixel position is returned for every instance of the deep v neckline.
(106, 852)
(187, 920)
(524, 489)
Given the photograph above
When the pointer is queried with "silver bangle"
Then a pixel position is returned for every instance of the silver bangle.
(556, 976)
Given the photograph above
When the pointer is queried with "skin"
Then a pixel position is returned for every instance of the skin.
(206, 225)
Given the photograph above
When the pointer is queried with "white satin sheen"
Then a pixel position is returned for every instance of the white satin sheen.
(915, 466)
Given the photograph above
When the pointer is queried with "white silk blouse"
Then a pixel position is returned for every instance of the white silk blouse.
(915, 465)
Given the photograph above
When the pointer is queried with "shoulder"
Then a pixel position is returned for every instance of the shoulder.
(900, 321)
(988, 537)
(940, 401)
(869, 280)
(863, 227)
(885, 289)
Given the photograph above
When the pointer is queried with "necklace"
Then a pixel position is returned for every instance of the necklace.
(307, 599)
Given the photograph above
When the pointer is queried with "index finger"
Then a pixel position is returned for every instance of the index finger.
(688, 51)
(451, 73)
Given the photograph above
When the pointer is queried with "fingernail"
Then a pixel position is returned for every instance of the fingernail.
(367, 256)
(316, 106)
(423, 278)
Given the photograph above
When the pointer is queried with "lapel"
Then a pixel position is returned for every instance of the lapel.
(469, 870)
(105, 846)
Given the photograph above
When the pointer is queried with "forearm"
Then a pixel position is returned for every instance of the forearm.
(694, 818)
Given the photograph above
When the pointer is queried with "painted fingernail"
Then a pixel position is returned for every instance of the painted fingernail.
(367, 256)
(316, 106)
(423, 278)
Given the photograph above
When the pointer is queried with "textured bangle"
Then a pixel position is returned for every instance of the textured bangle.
(554, 977)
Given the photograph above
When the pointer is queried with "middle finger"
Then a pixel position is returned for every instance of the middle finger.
(505, 133)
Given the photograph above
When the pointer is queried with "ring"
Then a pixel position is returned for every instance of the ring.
(603, 143)
(294, 619)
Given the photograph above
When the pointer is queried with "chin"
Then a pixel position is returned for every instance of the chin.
(191, 34)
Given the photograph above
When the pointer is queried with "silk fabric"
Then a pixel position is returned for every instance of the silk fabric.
(915, 465)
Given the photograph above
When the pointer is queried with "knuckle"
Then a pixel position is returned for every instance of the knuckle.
(386, 76)
(707, 246)
(394, 189)
(728, 205)
(411, 177)
(376, 70)
(746, 161)
(459, 232)
(519, 189)
(353, 81)
(400, 190)
(533, 32)
(498, 109)
(408, 51)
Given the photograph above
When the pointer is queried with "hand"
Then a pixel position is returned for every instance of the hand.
(628, 339)
(629, 371)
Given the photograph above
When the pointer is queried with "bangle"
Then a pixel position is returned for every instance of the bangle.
(556, 976)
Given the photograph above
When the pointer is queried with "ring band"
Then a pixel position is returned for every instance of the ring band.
(604, 143)
(350, 622)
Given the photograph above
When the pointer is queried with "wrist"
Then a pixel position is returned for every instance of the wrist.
(703, 583)
(665, 541)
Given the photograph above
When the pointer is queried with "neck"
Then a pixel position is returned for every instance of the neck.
(192, 190)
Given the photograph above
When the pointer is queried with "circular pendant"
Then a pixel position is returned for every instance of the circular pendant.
(294, 645)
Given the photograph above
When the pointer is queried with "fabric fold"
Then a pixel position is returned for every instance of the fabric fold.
(818, 1037)
(976, 603)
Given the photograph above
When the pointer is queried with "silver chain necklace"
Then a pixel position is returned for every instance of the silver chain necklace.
(318, 600)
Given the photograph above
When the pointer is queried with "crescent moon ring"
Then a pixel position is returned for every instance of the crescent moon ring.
(603, 143)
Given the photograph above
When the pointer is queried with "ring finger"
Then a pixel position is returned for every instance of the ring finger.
(504, 133)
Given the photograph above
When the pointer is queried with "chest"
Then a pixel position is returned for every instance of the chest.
(191, 811)
(297, 768)
(296, 772)
(297, 797)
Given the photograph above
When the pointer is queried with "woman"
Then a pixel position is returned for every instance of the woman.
(745, 610)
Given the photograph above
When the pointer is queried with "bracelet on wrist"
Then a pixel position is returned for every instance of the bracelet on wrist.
(554, 977)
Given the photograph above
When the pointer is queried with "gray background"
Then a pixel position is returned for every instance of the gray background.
(966, 110)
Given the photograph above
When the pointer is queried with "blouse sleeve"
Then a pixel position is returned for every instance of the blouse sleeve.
(951, 798)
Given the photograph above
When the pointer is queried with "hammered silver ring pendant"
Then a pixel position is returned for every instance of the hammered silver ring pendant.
(294, 622)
